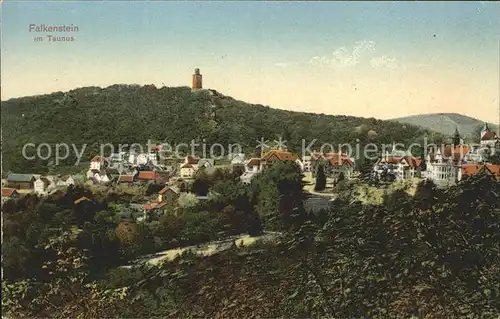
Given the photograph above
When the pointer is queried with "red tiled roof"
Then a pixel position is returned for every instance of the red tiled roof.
(473, 169)
(470, 169)
(335, 161)
(147, 175)
(81, 199)
(489, 135)
(281, 155)
(8, 192)
(126, 178)
(160, 205)
(494, 169)
(413, 161)
(165, 189)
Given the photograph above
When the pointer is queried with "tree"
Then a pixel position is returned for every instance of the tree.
(278, 196)
(320, 179)
(187, 200)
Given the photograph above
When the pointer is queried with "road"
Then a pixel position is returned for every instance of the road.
(206, 249)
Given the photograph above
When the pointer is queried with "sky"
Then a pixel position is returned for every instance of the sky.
(369, 59)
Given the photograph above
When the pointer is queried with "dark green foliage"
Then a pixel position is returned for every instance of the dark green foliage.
(431, 256)
(320, 178)
(126, 114)
(278, 194)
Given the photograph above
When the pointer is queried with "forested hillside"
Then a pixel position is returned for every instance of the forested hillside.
(129, 114)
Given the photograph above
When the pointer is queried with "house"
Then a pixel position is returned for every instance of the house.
(253, 165)
(126, 179)
(473, 169)
(65, 180)
(443, 166)
(488, 137)
(237, 159)
(168, 194)
(9, 193)
(20, 181)
(335, 164)
(339, 165)
(398, 167)
(278, 155)
(151, 177)
(98, 163)
(306, 163)
(187, 170)
(40, 185)
(104, 177)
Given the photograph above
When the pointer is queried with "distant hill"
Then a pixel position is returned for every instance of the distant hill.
(129, 114)
(446, 123)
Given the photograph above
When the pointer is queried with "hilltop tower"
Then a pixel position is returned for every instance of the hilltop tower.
(197, 80)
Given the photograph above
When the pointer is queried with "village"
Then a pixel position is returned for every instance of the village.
(445, 166)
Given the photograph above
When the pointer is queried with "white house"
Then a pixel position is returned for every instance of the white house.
(40, 185)
(400, 167)
(104, 177)
(306, 163)
(488, 137)
(443, 169)
(253, 165)
(237, 159)
(65, 180)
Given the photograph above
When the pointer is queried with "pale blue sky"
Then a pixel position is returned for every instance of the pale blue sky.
(398, 58)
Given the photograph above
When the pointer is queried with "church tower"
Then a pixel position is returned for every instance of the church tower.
(456, 137)
(197, 84)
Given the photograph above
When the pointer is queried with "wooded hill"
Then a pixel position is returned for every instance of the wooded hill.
(129, 114)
